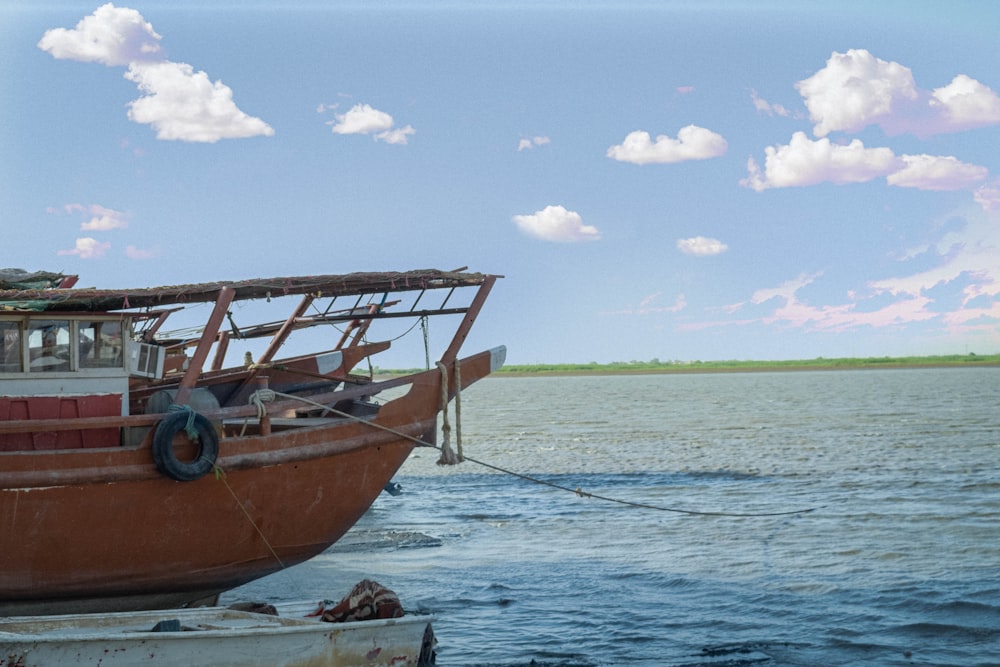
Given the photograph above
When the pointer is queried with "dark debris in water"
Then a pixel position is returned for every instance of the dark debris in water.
(730, 655)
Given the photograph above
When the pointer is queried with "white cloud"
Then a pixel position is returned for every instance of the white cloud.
(972, 251)
(805, 162)
(87, 248)
(364, 119)
(555, 223)
(395, 136)
(692, 143)
(111, 36)
(525, 144)
(104, 219)
(965, 103)
(178, 102)
(786, 290)
(185, 105)
(856, 89)
(701, 246)
(929, 172)
(988, 196)
(966, 258)
(763, 106)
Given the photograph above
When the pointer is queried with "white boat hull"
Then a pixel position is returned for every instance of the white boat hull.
(211, 637)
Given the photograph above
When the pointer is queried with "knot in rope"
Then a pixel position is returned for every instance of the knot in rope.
(189, 427)
(259, 397)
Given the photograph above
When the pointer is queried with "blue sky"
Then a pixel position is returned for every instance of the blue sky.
(670, 180)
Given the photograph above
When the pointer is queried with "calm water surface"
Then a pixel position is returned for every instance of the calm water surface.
(898, 563)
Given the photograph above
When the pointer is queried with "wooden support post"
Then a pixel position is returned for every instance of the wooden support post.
(190, 379)
(462, 331)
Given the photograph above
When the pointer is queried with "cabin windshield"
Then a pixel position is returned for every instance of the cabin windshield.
(100, 344)
(48, 346)
(40, 346)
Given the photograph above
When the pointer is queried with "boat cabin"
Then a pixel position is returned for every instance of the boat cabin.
(64, 366)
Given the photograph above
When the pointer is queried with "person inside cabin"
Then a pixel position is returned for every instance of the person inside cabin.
(50, 356)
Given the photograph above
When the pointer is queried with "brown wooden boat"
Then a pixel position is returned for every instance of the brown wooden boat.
(140, 470)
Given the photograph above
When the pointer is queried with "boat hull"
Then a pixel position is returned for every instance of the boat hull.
(103, 530)
(212, 637)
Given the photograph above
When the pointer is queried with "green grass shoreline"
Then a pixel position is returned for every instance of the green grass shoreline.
(656, 366)
(738, 366)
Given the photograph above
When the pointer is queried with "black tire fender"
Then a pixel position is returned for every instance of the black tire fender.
(163, 447)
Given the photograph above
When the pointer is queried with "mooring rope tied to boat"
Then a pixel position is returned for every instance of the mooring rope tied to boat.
(448, 456)
(220, 475)
(270, 395)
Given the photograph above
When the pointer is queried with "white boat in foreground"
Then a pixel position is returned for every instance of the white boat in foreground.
(214, 637)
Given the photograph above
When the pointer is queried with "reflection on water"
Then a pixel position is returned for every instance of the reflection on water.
(896, 564)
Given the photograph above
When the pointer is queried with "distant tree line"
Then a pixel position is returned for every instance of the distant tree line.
(734, 365)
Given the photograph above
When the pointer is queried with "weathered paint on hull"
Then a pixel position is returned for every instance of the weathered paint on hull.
(103, 530)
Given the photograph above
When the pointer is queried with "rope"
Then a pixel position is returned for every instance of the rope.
(340, 330)
(528, 478)
(448, 456)
(584, 494)
(427, 345)
(189, 427)
(259, 397)
(220, 474)
(458, 411)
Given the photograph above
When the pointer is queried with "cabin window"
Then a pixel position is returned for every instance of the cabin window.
(10, 339)
(49, 345)
(100, 344)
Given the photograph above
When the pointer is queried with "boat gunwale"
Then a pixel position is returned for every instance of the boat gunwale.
(101, 465)
(269, 625)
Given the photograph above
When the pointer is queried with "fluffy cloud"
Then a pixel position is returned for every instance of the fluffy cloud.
(178, 102)
(111, 36)
(701, 246)
(856, 89)
(555, 223)
(965, 103)
(185, 105)
(806, 162)
(104, 219)
(929, 172)
(87, 248)
(364, 119)
(692, 143)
